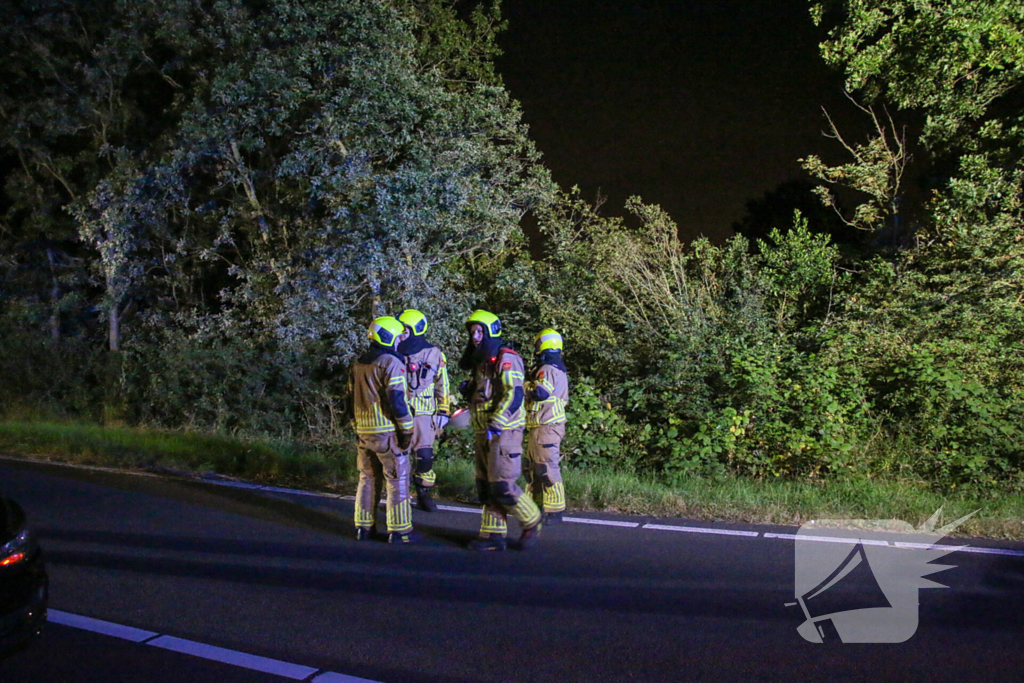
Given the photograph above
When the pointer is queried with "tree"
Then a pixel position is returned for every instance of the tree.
(960, 63)
(938, 328)
(270, 175)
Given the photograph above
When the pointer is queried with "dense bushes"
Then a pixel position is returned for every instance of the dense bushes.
(207, 258)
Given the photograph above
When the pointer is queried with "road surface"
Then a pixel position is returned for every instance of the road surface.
(277, 579)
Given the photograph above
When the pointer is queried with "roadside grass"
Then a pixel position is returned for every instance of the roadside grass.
(1000, 513)
(261, 460)
(777, 501)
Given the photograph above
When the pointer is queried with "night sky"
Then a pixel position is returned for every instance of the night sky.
(696, 105)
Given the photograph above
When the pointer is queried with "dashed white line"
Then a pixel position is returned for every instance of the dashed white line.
(702, 530)
(992, 551)
(455, 508)
(297, 492)
(600, 522)
(240, 659)
(107, 628)
(827, 539)
(232, 484)
(628, 525)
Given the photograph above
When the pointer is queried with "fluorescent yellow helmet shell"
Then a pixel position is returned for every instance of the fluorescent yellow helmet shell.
(416, 321)
(385, 331)
(487, 320)
(547, 339)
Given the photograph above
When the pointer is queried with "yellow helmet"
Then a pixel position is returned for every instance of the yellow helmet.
(487, 320)
(416, 321)
(385, 331)
(547, 339)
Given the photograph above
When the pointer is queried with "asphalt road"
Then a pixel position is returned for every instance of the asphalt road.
(280, 576)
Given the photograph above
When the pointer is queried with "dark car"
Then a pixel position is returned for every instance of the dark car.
(24, 588)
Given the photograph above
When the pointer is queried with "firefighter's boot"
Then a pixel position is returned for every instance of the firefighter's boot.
(488, 544)
(425, 501)
(529, 538)
(368, 534)
(407, 537)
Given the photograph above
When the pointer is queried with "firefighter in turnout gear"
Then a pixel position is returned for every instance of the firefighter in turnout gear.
(385, 429)
(428, 400)
(547, 393)
(495, 395)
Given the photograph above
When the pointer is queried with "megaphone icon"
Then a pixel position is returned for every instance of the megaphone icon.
(851, 586)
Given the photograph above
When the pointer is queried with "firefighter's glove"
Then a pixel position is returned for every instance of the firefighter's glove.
(441, 420)
(466, 389)
(493, 432)
(404, 441)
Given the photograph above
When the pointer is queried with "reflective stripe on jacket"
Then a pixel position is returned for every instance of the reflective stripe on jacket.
(378, 396)
(497, 398)
(428, 382)
(547, 394)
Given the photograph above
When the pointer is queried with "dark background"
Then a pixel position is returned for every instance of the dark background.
(696, 105)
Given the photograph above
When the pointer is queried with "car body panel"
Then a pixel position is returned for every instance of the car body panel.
(24, 585)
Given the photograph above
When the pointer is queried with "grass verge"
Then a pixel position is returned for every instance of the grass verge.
(259, 460)
(1001, 514)
(739, 499)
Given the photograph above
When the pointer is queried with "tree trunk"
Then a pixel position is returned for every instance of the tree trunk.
(54, 297)
(115, 328)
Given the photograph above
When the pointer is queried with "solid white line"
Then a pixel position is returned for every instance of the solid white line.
(241, 659)
(600, 522)
(136, 635)
(331, 677)
(827, 539)
(702, 530)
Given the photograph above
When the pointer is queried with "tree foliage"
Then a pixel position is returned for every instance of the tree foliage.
(269, 175)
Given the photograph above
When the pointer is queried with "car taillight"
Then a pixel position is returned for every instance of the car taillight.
(12, 559)
(17, 549)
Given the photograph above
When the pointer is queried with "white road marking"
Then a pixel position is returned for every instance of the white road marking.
(454, 508)
(927, 546)
(297, 492)
(827, 539)
(232, 484)
(276, 667)
(702, 530)
(330, 677)
(577, 520)
(600, 522)
(107, 628)
(992, 551)
(246, 661)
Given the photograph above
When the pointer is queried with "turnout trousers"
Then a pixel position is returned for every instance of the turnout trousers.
(541, 466)
(424, 431)
(498, 465)
(380, 461)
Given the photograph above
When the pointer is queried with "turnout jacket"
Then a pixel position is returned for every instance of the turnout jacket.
(378, 387)
(497, 397)
(427, 376)
(547, 393)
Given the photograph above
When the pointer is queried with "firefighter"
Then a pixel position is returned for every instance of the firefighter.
(495, 395)
(384, 427)
(428, 400)
(547, 393)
